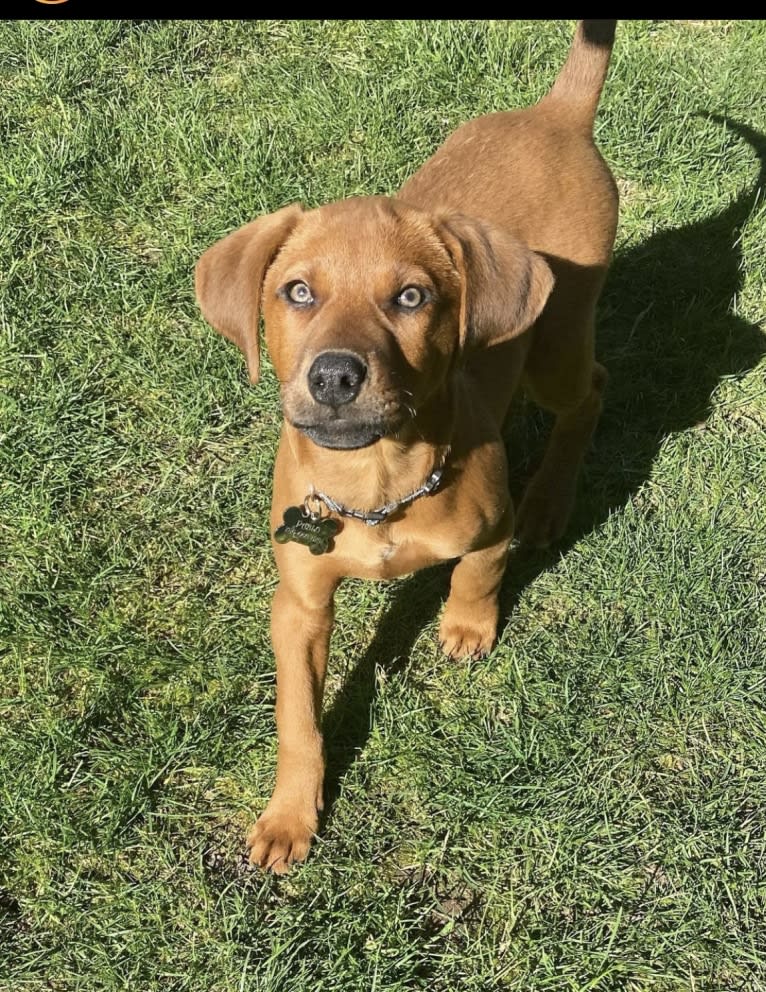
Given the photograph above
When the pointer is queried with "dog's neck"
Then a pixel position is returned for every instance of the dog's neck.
(396, 465)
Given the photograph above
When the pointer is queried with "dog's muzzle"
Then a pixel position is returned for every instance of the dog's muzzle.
(335, 380)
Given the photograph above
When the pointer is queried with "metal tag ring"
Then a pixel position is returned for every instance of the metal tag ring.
(312, 507)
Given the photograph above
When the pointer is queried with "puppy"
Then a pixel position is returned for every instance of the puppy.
(399, 329)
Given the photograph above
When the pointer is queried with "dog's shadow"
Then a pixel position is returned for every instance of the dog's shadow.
(668, 336)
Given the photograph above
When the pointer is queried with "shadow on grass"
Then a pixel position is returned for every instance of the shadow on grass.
(668, 337)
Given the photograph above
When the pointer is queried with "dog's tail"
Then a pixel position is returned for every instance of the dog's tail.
(581, 80)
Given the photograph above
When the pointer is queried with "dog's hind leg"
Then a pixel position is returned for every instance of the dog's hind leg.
(549, 497)
(562, 376)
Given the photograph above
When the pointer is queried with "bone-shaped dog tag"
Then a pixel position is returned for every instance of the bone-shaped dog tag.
(303, 528)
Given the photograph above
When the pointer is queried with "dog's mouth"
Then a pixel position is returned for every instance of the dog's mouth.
(339, 433)
(356, 424)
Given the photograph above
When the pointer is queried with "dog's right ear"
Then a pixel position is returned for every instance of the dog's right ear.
(229, 278)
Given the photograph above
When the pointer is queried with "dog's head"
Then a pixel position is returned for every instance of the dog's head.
(367, 304)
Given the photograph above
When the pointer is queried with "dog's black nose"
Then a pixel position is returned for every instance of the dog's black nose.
(336, 377)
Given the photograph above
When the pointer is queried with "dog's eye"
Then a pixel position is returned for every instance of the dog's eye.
(298, 292)
(410, 297)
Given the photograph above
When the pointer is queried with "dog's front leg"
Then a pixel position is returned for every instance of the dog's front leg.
(301, 623)
(469, 624)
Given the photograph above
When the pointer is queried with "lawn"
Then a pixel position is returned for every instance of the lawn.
(584, 810)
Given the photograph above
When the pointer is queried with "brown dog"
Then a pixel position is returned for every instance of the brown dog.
(400, 329)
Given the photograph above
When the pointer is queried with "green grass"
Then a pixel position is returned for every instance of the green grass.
(584, 810)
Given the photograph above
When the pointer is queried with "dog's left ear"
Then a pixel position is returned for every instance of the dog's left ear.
(229, 279)
(505, 285)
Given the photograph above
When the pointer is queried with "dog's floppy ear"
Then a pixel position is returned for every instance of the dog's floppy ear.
(505, 285)
(229, 278)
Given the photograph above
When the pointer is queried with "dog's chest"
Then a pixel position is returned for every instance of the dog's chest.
(398, 548)
(387, 559)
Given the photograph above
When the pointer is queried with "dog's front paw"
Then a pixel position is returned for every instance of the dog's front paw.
(281, 836)
(467, 633)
